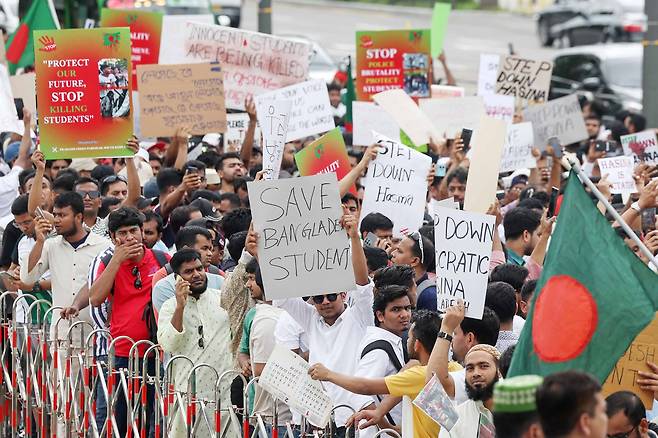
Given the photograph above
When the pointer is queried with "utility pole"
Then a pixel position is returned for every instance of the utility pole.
(650, 65)
(265, 16)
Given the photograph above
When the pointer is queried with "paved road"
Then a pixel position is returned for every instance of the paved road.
(333, 26)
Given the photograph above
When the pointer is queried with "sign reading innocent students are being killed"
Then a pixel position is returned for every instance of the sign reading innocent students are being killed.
(301, 240)
(83, 91)
(527, 79)
(463, 242)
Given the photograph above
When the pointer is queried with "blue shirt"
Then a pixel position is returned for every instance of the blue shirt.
(166, 288)
(427, 298)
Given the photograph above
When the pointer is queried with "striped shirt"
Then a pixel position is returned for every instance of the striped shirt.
(100, 315)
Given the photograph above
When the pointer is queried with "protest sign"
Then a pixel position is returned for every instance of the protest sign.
(641, 146)
(439, 24)
(286, 377)
(273, 120)
(326, 154)
(488, 142)
(449, 116)
(624, 376)
(620, 173)
(524, 78)
(368, 117)
(145, 30)
(393, 59)
(236, 132)
(83, 92)
(301, 239)
(517, 152)
(499, 107)
(253, 63)
(311, 111)
(407, 115)
(171, 96)
(443, 91)
(487, 74)
(24, 87)
(434, 401)
(396, 184)
(561, 118)
(463, 242)
(8, 117)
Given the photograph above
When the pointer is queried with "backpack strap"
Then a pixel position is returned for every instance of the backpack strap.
(169, 269)
(160, 257)
(212, 269)
(425, 284)
(385, 346)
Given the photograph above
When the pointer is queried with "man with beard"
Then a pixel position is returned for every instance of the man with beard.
(194, 324)
(481, 366)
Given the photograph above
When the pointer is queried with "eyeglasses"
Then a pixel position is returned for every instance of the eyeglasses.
(319, 299)
(138, 277)
(623, 434)
(25, 223)
(111, 179)
(93, 194)
(418, 238)
(201, 343)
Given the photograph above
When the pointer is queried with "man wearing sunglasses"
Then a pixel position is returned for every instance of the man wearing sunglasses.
(418, 252)
(91, 195)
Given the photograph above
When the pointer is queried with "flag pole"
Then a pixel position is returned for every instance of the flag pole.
(629, 231)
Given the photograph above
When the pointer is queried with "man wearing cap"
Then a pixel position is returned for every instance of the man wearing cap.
(515, 411)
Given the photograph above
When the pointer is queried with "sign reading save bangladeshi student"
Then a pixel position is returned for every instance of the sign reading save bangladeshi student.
(83, 91)
(392, 59)
(301, 240)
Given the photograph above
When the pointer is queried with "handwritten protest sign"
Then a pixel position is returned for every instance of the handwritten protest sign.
(416, 125)
(24, 87)
(440, 15)
(624, 376)
(524, 78)
(253, 63)
(273, 120)
(517, 152)
(311, 111)
(641, 146)
(368, 117)
(396, 184)
(145, 31)
(499, 107)
(449, 116)
(434, 401)
(443, 91)
(236, 132)
(326, 154)
(83, 91)
(487, 74)
(620, 173)
(181, 95)
(393, 59)
(285, 376)
(561, 118)
(463, 242)
(488, 142)
(301, 239)
(8, 117)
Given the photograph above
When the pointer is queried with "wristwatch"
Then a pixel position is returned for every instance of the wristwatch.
(444, 335)
(636, 206)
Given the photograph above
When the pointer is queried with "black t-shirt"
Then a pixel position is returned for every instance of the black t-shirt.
(10, 239)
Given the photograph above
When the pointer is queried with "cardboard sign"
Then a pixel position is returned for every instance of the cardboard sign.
(407, 115)
(171, 96)
(463, 242)
(253, 63)
(641, 146)
(524, 78)
(326, 154)
(8, 117)
(443, 91)
(24, 87)
(273, 120)
(561, 118)
(145, 31)
(620, 173)
(236, 132)
(487, 74)
(488, 142)
(440, 16)
(450, 116)
(301, 240)
(396, 185)
(368, 117)
(517, 153)
(84, 92)
(624, 376)
(311, 111)
(393, 59)
(499, 107)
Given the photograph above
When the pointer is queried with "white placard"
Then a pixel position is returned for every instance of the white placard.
(9, 121)
(285, 376)
(253, 63)
(620, 173)
(443, 91)
(561, 118)
(273, 121)
(368, 117)
(499, 107)
(407, 115)
(463, 242)
(301, 240)
(24, 87)
(396, 185)
(524, 78)
(311, 111)
(236, 132)
(449, 116)
(641, 146)
(517, 153)
(487, 74)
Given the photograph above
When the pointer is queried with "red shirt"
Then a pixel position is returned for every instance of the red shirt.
(128, 302)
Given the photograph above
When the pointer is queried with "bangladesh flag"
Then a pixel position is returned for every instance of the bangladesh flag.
(594, 296)
(349, 96)
(20, 47)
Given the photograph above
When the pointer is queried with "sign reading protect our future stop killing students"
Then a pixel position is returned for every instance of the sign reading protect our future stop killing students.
(83, 90)
(393, 59)
(301, 240)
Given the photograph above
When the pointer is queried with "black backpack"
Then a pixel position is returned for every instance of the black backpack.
(385, 346)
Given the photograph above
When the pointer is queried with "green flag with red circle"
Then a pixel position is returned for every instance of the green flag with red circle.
(593, 298)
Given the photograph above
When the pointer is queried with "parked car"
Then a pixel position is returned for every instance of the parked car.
(322, 65)
(610, 73)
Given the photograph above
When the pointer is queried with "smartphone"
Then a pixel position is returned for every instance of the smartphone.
(466, 138)
(8, 275)
(39, 213)
(191, 169)
(608, 146)
(500, 194)
(18, 103)
(510, 48)
(370, 240)
(648, 220)
(552, 202)
(440, 167)
(554, 143)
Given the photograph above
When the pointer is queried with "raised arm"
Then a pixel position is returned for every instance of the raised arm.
(247, 146)
(23, 160)
(36, 193)
(134, 187)
(359, 264)
(356, 385)
(181, 137)
(346, 183)
(450, 79)
(438, 361)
